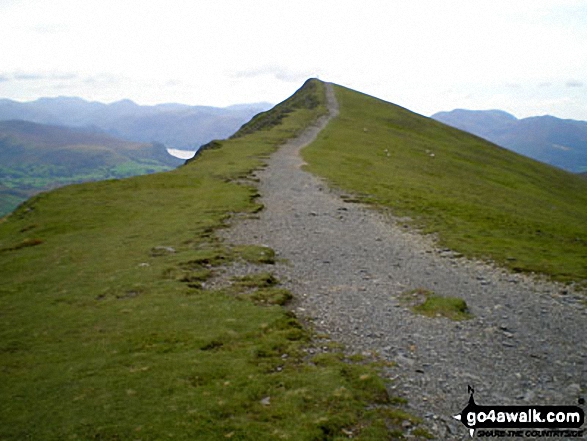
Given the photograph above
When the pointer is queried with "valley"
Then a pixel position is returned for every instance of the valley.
(51, 142)
(39, 157)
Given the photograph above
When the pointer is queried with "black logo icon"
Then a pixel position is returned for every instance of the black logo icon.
(474, 416)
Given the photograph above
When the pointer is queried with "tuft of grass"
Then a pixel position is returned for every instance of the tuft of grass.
(256, 254)
(430, 304)
(271, 296)
(258, 280)
(481, 200)
(420, 432)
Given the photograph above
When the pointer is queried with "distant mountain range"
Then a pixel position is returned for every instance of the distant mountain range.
(177, 126)
(555, 141)
(52, 142)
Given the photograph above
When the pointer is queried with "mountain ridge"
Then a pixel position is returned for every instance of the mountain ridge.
(115, 323)
(175, 125)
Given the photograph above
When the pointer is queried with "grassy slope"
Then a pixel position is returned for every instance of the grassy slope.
(482, 200)
(37, 157)
(105, 332)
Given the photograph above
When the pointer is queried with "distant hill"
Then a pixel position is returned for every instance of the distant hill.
(36, 157)
(175, 125)
(57, 141)
(558, 142)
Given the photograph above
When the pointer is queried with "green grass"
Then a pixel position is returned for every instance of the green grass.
(481, 200)
(20, 183)
(430, 304)
(107, 333)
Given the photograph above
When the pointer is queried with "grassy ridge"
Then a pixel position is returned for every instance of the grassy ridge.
(482, 200)
(108, 333)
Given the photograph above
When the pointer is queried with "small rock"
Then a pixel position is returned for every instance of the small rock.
(400, 359)
(266, 401)
(452, 429)
(162, 250)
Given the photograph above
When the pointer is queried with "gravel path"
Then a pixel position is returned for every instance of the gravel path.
(347, 265)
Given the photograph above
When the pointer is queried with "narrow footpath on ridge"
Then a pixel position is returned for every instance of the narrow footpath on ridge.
(347, 266)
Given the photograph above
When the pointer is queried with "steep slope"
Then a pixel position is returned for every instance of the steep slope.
(36, 157)
(111, 330)
(481, 199)
(558, 142)
(175, 125)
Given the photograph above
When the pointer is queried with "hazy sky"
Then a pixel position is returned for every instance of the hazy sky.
(528, 57)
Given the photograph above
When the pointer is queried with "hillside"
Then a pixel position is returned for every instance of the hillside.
(479, 199)
(366, 279)
(175, 125)
(36, 157)
(112, 329)
(123, 314)
(558, 142)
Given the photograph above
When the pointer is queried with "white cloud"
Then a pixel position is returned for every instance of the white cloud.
(230, 51)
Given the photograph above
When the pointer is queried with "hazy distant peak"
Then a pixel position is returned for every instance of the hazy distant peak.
(555, 141)
(491, 113)
(172, 106)
(125, 103)
(64, 99)
(179, 126)
(261, 105)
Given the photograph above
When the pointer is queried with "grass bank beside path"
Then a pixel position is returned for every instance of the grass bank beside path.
(481, 200)
(107, 331)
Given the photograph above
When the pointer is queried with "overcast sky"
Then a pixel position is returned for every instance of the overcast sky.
(528, 57)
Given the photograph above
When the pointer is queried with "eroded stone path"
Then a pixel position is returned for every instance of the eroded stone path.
(347, 265)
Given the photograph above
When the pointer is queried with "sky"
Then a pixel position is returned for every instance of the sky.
(527, 57)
